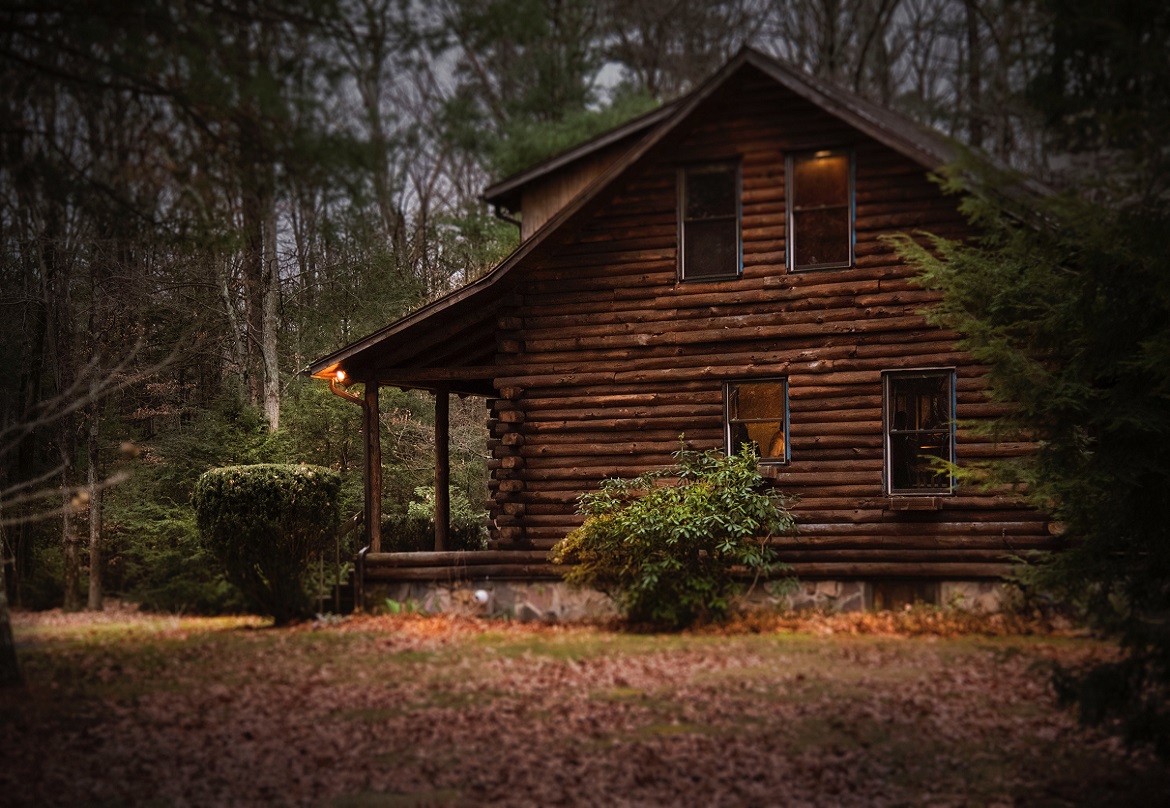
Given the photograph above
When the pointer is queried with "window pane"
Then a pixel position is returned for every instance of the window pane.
(757, 415)
(710, 192)
(820, 181)
(921, 402)
(821, 236)
(919, 420)
(711, 248)
(912, 456)
(758, 400)
(766, 436)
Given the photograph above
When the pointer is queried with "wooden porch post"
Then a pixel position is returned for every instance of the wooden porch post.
(442, 470)
(373, 471)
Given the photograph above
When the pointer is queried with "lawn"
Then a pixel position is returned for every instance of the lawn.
(125, 709)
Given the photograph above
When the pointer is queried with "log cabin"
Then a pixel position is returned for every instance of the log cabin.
(716, 269)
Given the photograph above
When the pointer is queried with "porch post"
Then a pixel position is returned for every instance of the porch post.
(373, 470)
(442, 470)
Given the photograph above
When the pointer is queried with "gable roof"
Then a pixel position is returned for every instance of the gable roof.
(386, 356)
(506, 192)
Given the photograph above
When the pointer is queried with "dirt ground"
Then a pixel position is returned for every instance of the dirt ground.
(920, 708)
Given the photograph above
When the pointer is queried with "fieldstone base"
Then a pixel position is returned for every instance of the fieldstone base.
(974, 596)
(550, 601)
(554, 601)
(837, 596)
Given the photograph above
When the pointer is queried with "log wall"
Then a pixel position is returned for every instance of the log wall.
(607, 358)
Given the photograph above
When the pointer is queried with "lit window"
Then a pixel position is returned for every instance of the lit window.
(919, 423)
(709, 222)
(820, 210)
(756, 413)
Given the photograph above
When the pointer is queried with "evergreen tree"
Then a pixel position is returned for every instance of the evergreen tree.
(1066, 298)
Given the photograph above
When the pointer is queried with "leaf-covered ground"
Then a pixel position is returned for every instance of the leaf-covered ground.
(920, 709)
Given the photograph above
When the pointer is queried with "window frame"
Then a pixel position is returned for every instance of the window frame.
(792, 208)
(711, 166)
(889, 434)
(728, 421)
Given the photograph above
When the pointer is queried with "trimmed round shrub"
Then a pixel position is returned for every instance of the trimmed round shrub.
(265, 524)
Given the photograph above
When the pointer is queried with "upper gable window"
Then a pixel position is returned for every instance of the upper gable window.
(709, 222)
(820, 210)
(756, 413)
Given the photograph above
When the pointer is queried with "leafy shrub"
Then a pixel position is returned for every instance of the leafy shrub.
(666, 544)
(265, 523)
(158, 560)
(414, 531)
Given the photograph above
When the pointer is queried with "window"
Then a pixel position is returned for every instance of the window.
(919, 423)
(820, 210)
(709, 222)
(756, 412)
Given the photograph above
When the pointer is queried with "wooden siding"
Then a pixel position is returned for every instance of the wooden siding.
(541, 199)
(606, 358)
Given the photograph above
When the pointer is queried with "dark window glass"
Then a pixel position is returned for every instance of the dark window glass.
(710, 221)
(919, 430)
(711, 248)
(757, 413)
(824, 237)
(821, 210)
(711, 193)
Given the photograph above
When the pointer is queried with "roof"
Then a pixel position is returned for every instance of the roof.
(506, 192)
(395, 354)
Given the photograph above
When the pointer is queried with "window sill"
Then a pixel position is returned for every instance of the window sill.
(914, 503)
(817, 267)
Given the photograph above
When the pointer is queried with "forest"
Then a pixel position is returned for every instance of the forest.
(199, 198)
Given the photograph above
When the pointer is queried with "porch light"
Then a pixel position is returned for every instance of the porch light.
(339, 378)
(823, 153)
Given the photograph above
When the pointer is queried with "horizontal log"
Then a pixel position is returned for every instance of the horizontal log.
(665, 326)
(697, 435)
(901, 556)
(931, 529)
(941, 571)
(454, 558)
(843, 511)
(592, 448)
(463, 573)
(982, 501)
(823, 353)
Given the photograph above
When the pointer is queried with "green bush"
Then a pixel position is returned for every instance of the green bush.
(156, 558)
(265, 523)
(414, 531)
(667, 544)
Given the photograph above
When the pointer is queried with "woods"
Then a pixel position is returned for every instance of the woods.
(197, 200)
(201, 199)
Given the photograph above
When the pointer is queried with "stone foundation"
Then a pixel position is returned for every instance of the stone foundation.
(554, 601)
(550, 601)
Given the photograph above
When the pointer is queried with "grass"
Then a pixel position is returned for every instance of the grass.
(410, 710)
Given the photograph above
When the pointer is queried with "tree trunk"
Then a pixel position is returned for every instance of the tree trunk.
(69, 542)
(10, 675)
(974, 76)
(94, 603)
(270, 297)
